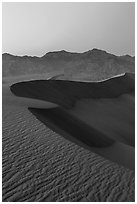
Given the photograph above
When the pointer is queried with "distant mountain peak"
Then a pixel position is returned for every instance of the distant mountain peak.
(56, 52)
(6, 54)
(97, 50)
(98, 53)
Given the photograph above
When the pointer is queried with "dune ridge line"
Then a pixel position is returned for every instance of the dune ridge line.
(66, 93)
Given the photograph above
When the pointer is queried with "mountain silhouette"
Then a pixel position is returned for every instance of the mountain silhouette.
(95, 64)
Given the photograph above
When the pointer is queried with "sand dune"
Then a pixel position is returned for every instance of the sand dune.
(102, 111)
(68, 92)
(44, 159)
(79, 132)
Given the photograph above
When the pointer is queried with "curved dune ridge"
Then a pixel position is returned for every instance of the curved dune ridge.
(66, 93)
(101, 113)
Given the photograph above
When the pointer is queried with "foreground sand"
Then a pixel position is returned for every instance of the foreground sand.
(41, 165)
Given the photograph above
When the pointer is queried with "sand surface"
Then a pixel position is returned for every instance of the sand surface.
(39, 164)
(87, 136)
(114, 117)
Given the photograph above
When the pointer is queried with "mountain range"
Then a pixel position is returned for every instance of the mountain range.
(95, 64)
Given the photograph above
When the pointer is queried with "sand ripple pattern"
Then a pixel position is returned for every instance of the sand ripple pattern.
(40, 165)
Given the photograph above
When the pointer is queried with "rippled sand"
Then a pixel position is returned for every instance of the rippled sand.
(40, 165)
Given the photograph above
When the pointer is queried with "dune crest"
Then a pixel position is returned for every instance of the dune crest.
(66, 93)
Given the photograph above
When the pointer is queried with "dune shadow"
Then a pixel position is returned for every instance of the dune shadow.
(60, 121)
(76, 131)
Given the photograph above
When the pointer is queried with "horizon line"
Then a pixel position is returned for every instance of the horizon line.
(72, 52)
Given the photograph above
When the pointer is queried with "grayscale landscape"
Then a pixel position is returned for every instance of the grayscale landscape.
(42, 163)
(68, 120)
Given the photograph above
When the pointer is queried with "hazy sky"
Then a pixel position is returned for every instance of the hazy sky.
(37, 28)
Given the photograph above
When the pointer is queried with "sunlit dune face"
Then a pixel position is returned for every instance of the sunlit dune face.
(34, 103)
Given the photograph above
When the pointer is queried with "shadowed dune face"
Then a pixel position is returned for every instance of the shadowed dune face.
(89, 137)
(70, 124)
(66, 93)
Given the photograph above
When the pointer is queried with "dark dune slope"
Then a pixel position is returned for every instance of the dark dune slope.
(73, 126)
(89, 137)
(66, 93)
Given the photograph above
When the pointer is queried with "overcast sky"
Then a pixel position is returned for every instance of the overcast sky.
(37, 28)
